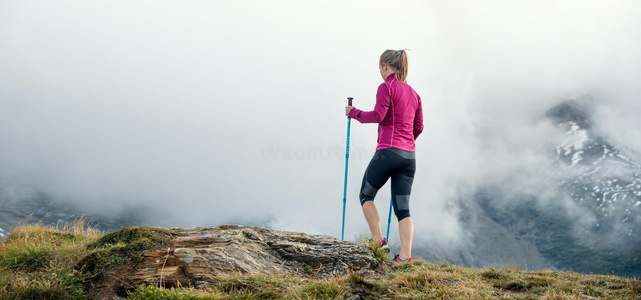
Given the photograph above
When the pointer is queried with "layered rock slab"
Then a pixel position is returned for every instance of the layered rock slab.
(196, 257)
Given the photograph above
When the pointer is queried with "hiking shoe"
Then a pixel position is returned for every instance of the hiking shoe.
(382, 245)
(398, 259)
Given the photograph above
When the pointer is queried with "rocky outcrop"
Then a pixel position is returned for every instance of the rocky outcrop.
(196, 257)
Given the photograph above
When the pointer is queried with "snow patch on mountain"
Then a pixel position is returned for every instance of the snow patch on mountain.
(606, 179)
(575, 142)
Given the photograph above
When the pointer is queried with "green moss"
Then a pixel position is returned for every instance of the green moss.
(123, 246)
(93, 265)
(137, 237)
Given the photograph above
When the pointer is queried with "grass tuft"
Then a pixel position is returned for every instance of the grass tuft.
(493, 273)
(37, 262)
(381, 255)
(145, 292)
(325, 290)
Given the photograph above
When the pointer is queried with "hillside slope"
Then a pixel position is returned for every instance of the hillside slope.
(242, 262)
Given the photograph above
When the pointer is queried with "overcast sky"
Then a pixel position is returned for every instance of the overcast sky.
(233, 111)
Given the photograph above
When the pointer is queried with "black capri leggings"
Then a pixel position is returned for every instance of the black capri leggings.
(398, 164)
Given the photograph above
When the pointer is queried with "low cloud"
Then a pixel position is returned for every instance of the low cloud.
(214, 113)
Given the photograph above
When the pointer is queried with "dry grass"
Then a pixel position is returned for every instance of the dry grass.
(420, 280)
(37, 262)
(42, 262)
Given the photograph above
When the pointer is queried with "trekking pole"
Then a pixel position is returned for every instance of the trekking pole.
(389, 219)
(349, 120)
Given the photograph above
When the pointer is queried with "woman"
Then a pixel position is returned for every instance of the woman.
(399, 114)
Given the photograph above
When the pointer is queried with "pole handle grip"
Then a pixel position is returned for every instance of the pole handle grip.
(349, 101)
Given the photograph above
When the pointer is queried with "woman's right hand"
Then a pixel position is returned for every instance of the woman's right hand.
(348, 109)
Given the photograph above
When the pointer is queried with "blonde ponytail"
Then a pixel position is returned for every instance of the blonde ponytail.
(397, 60)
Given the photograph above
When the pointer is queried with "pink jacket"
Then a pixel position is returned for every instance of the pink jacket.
(398, 111)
